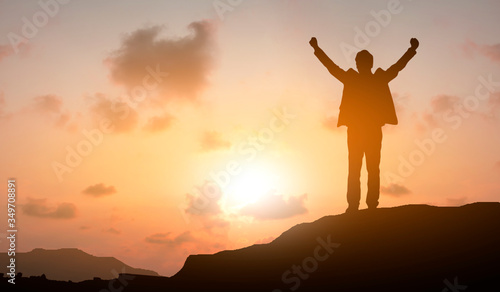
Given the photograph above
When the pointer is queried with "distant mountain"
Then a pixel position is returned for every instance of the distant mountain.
(408, 248)
(70, 264)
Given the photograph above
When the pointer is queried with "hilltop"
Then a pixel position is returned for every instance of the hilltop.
(406, 248)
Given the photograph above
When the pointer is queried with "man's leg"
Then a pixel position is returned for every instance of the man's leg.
(355, 147)
(374, 145)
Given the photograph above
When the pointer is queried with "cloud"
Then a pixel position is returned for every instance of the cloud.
(167, 239)
(99, 190)
(204, 207)
(443, 102)
(427, 120)
(159, 123)
(39, 208)
(122, 117)
(206, 201)
(48, 103)
(492, 107)
(112, 231)
(468, 48)
(272, 206)
(51, 106)
(3, 115)
(5, 51)
(492, 52)
(8, 50)
(438, 106)
(457, 202)
(494, 103)
(449, 106)
(395, 190)
(183, 64)
(212, 140)
(494, 99)
(215, 225)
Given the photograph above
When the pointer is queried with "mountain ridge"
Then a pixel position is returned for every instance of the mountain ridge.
(410, 248)
(58, 264)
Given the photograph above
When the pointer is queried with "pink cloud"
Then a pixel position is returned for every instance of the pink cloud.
(2, 107)
(492, 52)
(443, 102)
(494, 100)
(5, 51)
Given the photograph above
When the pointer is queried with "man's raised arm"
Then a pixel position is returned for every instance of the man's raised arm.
(393, 71)
(335, 70)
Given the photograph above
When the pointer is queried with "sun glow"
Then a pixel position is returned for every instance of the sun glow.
(251, 184)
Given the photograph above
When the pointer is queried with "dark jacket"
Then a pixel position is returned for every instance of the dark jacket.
(366, 99)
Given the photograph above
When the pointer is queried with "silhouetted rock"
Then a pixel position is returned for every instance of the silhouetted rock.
(408, 248)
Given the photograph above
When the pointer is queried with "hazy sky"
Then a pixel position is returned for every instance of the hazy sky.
(151, 130)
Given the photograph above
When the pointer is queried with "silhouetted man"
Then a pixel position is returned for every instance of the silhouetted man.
(366, 106)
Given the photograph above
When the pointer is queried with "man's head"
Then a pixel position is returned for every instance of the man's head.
(364, 60)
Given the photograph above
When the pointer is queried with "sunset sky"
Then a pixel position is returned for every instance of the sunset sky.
(151, 130)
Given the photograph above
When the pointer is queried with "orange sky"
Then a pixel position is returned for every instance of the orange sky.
(118, 118)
